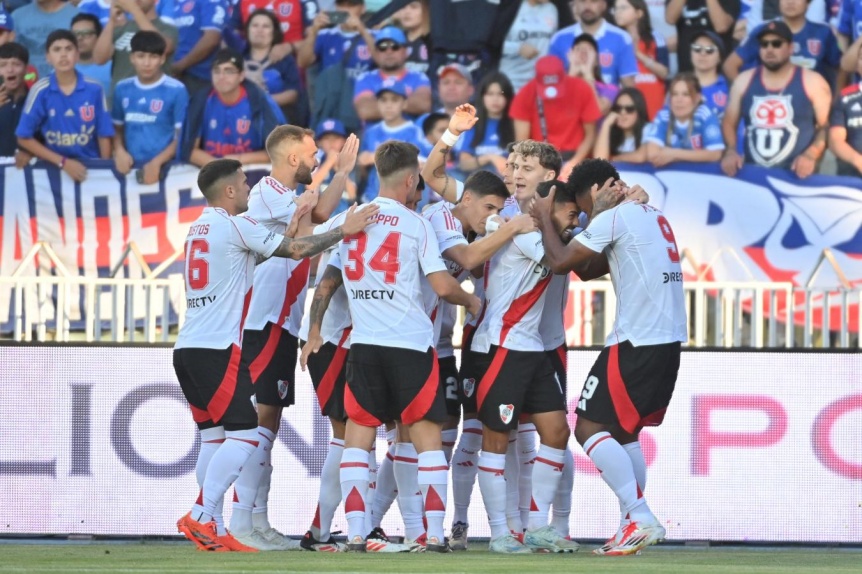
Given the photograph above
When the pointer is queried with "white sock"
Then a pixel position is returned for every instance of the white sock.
(617, 471)
(465, 465)
(406, 470)
(633, 449)
(562, 506)
(513, 471)
(260, 516)
(248, 482)
(526, 450)
(211, 439)
(492, 484)
(218, 517)
(546, 480)
(330, 491)
(372, 489)
(433, 478)
(354, 485)
(387, 490)
(223, 469)
(450, 437)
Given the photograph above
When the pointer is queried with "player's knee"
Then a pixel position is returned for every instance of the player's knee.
(496, 442)
(584, 429)
(557, 436)
(269, 417)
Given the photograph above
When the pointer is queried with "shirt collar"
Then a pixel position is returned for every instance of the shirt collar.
(79, 84)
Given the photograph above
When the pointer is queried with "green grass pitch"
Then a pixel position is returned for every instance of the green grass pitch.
(157, 558)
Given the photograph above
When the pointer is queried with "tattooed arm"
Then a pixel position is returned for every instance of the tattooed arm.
(309, 245)
(331, 281)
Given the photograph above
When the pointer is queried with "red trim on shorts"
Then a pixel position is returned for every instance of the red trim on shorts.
(327, 383)
(597, 443)
(490, 376)
(653, 419)
(521, 306)
(261, 362)
(356, 413)
(562, 353)
(421, 403)
(199, 415)
(224, 394)
(626, 412)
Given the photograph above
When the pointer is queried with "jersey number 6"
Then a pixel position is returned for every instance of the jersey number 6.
(384, 260)
(197, 269)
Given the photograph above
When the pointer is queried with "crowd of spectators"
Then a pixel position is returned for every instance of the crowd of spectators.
(146, 82)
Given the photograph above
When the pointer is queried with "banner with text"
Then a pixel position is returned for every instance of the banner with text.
(110, 433)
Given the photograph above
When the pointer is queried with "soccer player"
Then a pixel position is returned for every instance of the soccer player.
(272, 328)
(148, 111)
(392, 366)
(221, 251)
(631, 382)
(68, 110)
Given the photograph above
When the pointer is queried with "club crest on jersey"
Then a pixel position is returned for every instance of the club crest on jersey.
(814, 46)
(88, 113)
(506, 413)
(242, 126)
(772, 134)
(285, 9)
(362, 52)
(606, 59)
(156, 106)
(696, 141)
(719, 99)
(188, 7)
(469, 387)
(282, 389)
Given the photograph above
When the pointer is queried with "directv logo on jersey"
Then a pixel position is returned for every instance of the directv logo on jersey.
(200, 301)
(372, 294)
(673, 277)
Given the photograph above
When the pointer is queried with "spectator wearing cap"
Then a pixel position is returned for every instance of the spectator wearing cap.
(584, 64)
(785, 109)
(455, 87)
(415, 20)
(845, 127)
(13, 68)
(199, 26)
(693, 16)
(280, 79)
(528, 39)
(390, 56)
(327, 43)
(115, 42)
(35, 21)
(230, 122)
(86, 29)
(331, 135)
(814, 45)
(67, 110)
(615, 47)
(391, 101)
(651, 52)
(558, 109)
(707, 52)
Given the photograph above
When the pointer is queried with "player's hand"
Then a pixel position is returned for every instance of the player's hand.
(520, 224)
(309, 197)
(664, 157)
(301, 211)
(152, 171)
(311, 346)
(542, 206)
(803, 166)
(75, 170)
(463, 119)
(474, 307)
(358, 219)
(346, 159)
(123, 161)
(731, 163)
(636, 194)
(607, 196)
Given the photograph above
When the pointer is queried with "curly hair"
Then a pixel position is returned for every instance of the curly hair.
(588, 173)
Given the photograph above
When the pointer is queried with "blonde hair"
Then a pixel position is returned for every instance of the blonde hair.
(285, 132)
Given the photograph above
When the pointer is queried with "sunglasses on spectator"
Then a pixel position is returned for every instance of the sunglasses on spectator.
(388, 46)
(771, 43)
(623, 109)
(708, 50)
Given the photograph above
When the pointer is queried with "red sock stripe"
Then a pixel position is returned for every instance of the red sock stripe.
(354, 465)
(496, 471)
(254, 443)
(432, 468)
(261, 362)
(490, 376)
(327, 382)
(626, 412)
(557, 465)
(390, 457)
(224, 394)
(472, 431)
(597, 443)
(408, 460)
(215, 441)
(421, 403)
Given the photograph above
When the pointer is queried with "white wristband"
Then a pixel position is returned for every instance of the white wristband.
(449, 138)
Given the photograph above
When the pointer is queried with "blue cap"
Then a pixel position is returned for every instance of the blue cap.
(6, 22)
(330, 126)
(393, 86)
(390, 33)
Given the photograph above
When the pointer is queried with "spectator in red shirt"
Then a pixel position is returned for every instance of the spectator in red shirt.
(558, 109)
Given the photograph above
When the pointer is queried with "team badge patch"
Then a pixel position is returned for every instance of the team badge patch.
(242, 126)
(282, 389)
(814, 46)
(469, 387)
(696, 141)
(606, 59)
(156, 106)
(88, 113)
(506, 413)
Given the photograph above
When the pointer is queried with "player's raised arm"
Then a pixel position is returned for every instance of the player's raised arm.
(344, 165)
(475, 254)
(301, 247)
(331, 281)
(434, 172)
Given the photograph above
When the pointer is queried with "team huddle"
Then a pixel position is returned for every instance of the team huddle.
(377, 342)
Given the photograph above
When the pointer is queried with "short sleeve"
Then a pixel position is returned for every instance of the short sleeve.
(335, 260)
(445, 229)
(662, 55)
(523, 104)
(712, 138)
(32, 116)
(837, 118)
(181, 106)
(600, 233)
(749, 51)
(330, 223)
(628, 61)
(255, 237)
(430, 259)
(654, 130)
(104, 124)
(213, 15)
(117, 112)
(531, 246)
(363, 85)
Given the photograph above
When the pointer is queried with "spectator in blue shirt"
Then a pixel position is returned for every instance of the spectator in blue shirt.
(199, 26)
(845, 127)
(33, 23)
(326, 43)
(86, 29)
(279, 79)
(685, 130)
(616, 50)
(232, 121)
(707, 52)
(13, 66)
(68, 110)
(391, 100)
(391, 57)
(330, 136)
(148, 111)
(7, 26)
(485, 146)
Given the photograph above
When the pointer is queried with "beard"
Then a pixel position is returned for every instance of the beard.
(774, 66)
(303, 174)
